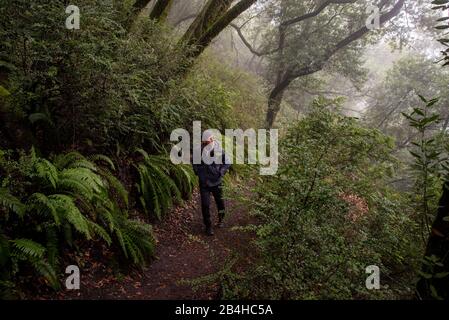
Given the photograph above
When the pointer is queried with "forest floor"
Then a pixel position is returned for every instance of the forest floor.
(184, 254)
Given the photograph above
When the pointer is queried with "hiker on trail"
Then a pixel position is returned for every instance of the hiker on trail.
(210, 178)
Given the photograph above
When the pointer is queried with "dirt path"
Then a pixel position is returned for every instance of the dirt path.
(183, 252)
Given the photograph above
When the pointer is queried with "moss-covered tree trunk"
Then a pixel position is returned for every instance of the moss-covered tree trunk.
(215, 16)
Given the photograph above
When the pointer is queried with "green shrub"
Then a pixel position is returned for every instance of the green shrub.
(98, 83)
(327, 215)
(100, 86)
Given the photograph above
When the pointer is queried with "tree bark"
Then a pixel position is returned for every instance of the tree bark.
(161, 9)
(207, 16)
(222, 23)
(211, 22)
(276, 95)
(274, 105)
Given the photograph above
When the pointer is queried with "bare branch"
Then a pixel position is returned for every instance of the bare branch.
(318, 65)
(222, 22)
(315, 12)
(248, 45)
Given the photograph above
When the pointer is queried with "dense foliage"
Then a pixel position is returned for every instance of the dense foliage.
(328, 215)
(47, 206)
(99, 85)
(86, 117)
(104, 89)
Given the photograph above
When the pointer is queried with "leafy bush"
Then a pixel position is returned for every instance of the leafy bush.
(327, 215)
(430, 171)
(101, 89)
(101, 86)
(47, 205)
(430, 161)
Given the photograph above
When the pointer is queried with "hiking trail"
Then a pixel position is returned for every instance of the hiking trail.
(183, 252)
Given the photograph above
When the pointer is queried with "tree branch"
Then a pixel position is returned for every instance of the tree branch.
(291, 74)
(202, 39)
(248, 45)
(225, 20)
(315, 12)
(210, 12)
(318, 65)
(398, 105)
(287, 23)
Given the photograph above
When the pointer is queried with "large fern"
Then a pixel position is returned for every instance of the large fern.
(135, 238)
(71, 197)
(33, 253)
(161, 182)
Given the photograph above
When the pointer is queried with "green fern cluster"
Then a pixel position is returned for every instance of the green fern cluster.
(161, 183)
(70, 197)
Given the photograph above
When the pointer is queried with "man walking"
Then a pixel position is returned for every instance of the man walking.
(210, 178)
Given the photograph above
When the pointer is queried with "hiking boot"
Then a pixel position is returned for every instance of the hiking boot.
(220, 223)
(209, 231)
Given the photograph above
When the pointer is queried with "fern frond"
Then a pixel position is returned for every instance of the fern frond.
(75, 187)
(98, 230)
(141, 239)
(73, 160)
(4, 250)
(143, 153)
(43, 206)
(121, 241)
(46, 171)
(107, 218)
(8, 201)
(116, 185)
(85, 176)
(161, 182)
(68, 234)
(66, 207)
(45, 270)
(186, 179)
(133, 251)
(28, 248)
(149, 192)
(106, 159)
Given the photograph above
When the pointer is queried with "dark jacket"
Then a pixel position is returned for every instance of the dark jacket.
(211, 175)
